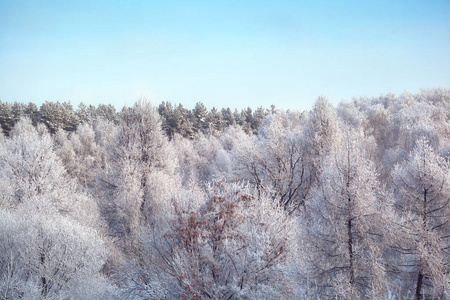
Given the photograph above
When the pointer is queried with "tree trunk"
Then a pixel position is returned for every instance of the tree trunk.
(424, 224)
(44, 288)
(350, 253)
(419, 284)
(349, 230)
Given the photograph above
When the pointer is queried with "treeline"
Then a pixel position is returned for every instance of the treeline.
(175, 119)
(54, 115)
(346, 202)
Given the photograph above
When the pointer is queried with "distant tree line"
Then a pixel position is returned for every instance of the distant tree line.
(186, 122)
(54, 115)
(176, 119)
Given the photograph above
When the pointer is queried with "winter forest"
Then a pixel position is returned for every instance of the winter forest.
(162, 202)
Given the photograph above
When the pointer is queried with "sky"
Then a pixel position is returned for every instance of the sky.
(222, 53)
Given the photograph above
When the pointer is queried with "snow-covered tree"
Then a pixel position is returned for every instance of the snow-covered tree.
(422, 190)
(283, 166)
(245, 156)
(231, 245)
(188, 159)
(44, 255)
(31, 166)
(321, 134)
(276, 160)
(50, 233)
(342, 228)
(81, 155)
(139, 174)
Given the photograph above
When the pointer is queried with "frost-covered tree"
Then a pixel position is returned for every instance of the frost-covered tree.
(231, 245)
(81, 155)
(201, 159)
(44, 255)
(283, 167)
(32, 170)
(207, 147)
(415, 120)
(397, 122)
(229, 158)
(245, 156)
(342, 226)
(31, 166)
(321, 134)
(275, 161)
(139, 173)
(188, 159)
(50, 233)
(422, 190)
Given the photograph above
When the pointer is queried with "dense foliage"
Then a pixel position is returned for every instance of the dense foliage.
(348, 202)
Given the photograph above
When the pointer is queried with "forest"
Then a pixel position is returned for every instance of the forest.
(163, 202)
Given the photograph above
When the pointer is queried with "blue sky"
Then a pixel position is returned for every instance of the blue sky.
(222, 53)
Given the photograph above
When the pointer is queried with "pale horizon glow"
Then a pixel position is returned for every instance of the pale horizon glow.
(224, 54)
